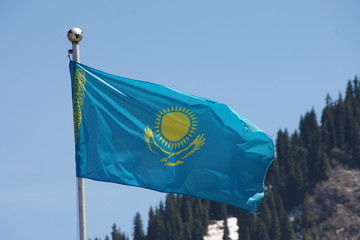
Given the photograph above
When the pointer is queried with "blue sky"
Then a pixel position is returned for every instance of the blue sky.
(271, 61)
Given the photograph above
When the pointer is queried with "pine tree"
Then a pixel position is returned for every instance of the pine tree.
(328, 126)
(138, 228)
(175, 229)
(340, 122)
(308, 218)
(262, 232)
(218, 210)
(116, 234)
(151, 230)
(265, 213)
(187, 215)
(226, 234)
(244, 233)
(274, 226)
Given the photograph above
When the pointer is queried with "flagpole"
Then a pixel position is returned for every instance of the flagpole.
(75, 35)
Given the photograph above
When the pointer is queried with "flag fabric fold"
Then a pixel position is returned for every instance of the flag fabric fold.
(142, 134)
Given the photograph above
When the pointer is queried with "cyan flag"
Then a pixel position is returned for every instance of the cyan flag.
(143, 134)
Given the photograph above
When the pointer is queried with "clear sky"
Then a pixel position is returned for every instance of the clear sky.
(271, 61)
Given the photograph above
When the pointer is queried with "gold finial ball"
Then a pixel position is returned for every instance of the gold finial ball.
(75, 35)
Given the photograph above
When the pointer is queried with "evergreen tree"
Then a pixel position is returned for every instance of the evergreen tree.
(226, 234)
(340, 122)
(328, 126)
(244, 233)
(274, 226)
(197, 230)
(116, 234)
(173, 218)
(187, 215)
(265, 213)
(201, 218)
(151, 230)
(262, 232)
(218, 210)
(308, 218)
(138, 228)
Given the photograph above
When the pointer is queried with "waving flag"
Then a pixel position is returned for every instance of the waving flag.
(142, 134)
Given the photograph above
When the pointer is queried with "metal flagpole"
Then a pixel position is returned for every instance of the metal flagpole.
(75, 35)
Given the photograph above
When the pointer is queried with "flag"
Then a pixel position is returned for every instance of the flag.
(146, 135)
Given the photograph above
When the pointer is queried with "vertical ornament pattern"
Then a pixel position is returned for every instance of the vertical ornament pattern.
(78, 100)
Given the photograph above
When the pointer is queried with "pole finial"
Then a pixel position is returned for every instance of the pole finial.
(75, 35)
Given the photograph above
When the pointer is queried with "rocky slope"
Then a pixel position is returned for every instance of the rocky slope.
(336, 206)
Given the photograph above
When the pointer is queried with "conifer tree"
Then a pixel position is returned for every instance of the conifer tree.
(173, 218)
(308, 218)
(265, 213)
(244, 233)
(138, 228)
(226, 232)
(340, 122)
(218, 210)
(274, 227)
(116, 234)
(262, 232)
(328, 125)
(151, 230)
(187, 215)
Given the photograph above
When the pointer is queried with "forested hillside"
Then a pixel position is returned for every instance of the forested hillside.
(312, 183)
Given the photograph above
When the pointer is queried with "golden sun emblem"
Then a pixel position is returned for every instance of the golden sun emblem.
(174, 134)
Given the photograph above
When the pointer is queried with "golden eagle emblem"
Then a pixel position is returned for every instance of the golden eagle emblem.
(174, 134)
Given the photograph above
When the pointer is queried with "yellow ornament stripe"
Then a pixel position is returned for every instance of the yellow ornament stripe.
(78, 99)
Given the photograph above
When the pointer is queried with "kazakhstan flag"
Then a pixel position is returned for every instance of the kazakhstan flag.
(143, 134)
